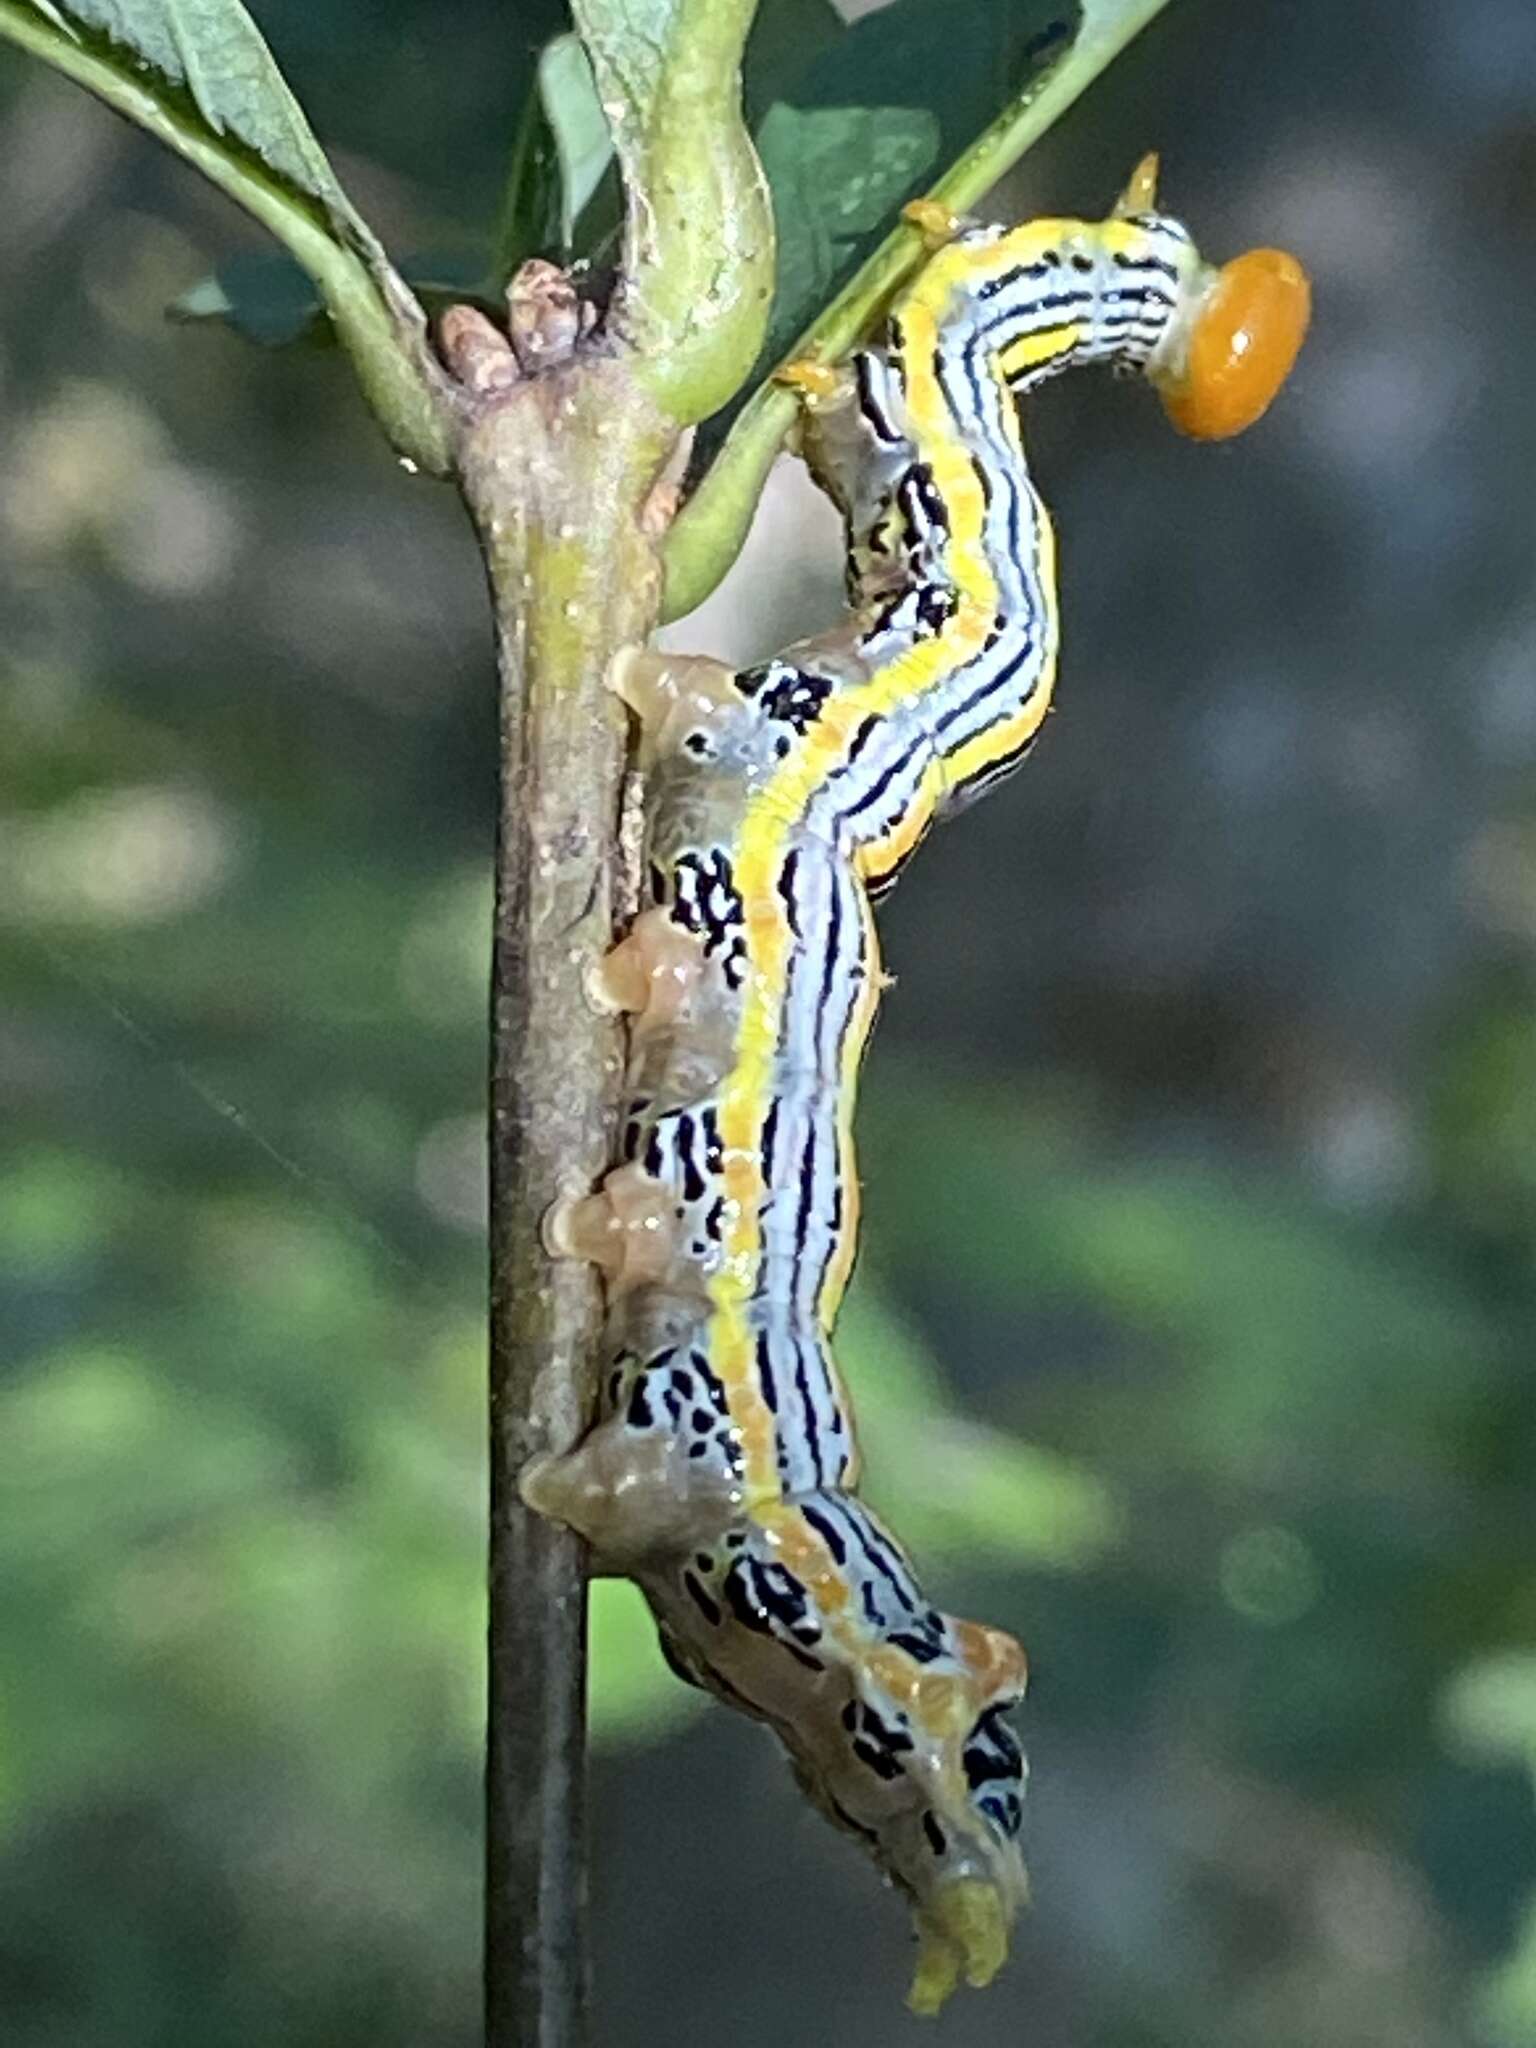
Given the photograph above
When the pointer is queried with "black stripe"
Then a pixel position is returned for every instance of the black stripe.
(812, 1427)
(767, 1385)
(826, 1529)
(786, 887)
(869, 404)
(971, 786)
(1154, 263)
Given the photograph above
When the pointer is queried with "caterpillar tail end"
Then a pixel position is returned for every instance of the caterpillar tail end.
(963, 1933)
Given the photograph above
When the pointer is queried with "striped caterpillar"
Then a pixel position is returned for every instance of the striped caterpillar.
(780, 800)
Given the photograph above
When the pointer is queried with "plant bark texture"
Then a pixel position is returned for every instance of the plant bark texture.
(557, 469)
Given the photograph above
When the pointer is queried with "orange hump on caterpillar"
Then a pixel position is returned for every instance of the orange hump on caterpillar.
(1229, 355)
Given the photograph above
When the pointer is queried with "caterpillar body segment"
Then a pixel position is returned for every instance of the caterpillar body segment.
(651, 974)
(628, 1228)
(780, 800)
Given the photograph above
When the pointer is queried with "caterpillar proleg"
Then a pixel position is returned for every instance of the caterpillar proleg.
(781, 800)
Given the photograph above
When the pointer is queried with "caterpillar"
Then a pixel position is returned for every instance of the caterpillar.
(781, 801)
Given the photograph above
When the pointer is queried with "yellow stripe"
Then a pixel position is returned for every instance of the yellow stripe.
(1031, 350)
(769, 823)
(881, 857)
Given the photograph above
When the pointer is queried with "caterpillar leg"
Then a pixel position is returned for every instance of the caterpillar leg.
(654, 684)
(825, 391)
(815, 381)
(629, 1228)
(630, 1495)
(651, 973)
(681, 700)
(934, 221)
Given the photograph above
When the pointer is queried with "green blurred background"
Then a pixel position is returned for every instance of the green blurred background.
(1193, 1333)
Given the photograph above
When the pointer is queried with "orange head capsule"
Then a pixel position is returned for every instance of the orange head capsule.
(1241, 345)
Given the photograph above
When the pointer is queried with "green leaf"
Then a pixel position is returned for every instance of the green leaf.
(950, 1483)
(583, 143)
(562, 152)
(698, 241)
(214, 52)
(837, 173)
(196, 75)
(898, 92)
(961, 59)
(265, 297)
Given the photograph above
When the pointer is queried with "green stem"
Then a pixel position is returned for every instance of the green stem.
(708, 533)
(698, 237)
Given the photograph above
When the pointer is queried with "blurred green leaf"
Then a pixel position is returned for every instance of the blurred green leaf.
(1276, 1314)
(952, 1484)
(635, 1698)
(54, 1207)
(1507, 2004)
(197, 75)
(1485, 1116)
(267, 298)
(1490, 1708)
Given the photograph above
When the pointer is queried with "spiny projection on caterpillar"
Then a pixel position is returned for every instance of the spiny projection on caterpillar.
(780, 800)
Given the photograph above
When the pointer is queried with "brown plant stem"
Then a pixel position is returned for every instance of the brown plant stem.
(556, 468)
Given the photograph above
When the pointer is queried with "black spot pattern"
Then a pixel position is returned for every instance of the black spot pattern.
(770, 1600)
(994, 1770)
(791, 696)
(705, 900)
(876, 1742)
(680, 1392)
